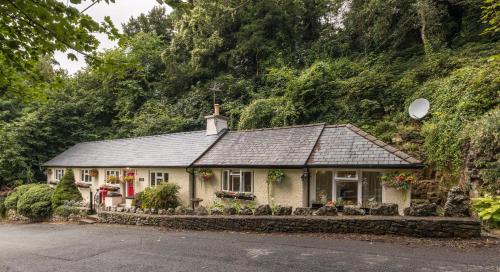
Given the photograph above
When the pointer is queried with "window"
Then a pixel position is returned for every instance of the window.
(155, 178)
(347, 192)
(112, 173)
(237, 181)
(349, 175)
(59, 174)
(86, 177)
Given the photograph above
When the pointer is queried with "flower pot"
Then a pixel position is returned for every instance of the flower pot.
(340, 208)
(280, 179)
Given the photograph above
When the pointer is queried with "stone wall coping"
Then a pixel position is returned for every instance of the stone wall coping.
(314, 217)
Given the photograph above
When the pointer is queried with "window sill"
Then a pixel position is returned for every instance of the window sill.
(235, 195)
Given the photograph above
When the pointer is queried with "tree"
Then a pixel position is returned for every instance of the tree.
(66, 190)
(30, 30)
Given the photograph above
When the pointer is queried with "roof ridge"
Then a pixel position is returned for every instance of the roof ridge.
(277, 128)
(395, 151)
(141, 137)
(337, 125)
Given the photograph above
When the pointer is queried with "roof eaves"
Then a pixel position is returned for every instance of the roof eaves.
(396, 152)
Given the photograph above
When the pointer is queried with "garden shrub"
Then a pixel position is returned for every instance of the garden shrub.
(488, 209)
(66, 210)
(163, 196)
(3, 210)
(36, 202)
(13, 197)
(66, 190)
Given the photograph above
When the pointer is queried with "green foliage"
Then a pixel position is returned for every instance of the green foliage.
(66, 190)
(398, 180)
(31, 30)
(66, 210)
(35, 202)
(163, 196)
(274, 175)
(488, 209)
(270, 112)
(491, 16)
(485, 142)
(12, 199)
(269, 63)
(3, 210)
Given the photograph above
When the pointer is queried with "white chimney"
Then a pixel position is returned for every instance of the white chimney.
(216, 123)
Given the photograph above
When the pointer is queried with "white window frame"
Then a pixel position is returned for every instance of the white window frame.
(58, 174)
(155, 182)
(344, 178)
(111, 172)
(233, 172)
(85, 173)
(359, 180)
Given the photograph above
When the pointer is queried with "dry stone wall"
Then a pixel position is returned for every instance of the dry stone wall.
(441, 227)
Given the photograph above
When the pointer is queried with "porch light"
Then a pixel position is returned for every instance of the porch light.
(305, 175)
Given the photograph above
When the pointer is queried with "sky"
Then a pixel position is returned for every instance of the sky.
(120, 12)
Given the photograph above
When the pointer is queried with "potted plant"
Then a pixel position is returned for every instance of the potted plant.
(339, 204)
(206, 174)
(275, 175)
(235, 195)
(94, 173)
(400, 181)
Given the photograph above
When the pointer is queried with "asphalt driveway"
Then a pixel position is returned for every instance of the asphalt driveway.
(67, 247)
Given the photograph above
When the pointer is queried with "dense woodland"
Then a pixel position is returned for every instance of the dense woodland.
(269, 63)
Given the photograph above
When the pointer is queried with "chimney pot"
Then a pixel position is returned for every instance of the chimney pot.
(216, 109)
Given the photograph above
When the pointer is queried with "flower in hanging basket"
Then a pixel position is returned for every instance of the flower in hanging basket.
(112, 179)
(397, 180)
(275, 175)
(206, 174)
(128, 178)
(94, 173)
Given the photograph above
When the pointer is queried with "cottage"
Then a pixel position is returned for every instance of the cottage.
(316, 163)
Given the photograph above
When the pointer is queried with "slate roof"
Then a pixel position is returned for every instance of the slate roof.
(277, 147)
(317, 145)
(347, 146)
(167, 150)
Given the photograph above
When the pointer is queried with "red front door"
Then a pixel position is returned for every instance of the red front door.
(130, 185)
(130, 188)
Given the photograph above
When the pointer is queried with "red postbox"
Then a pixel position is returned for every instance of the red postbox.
(104, 193)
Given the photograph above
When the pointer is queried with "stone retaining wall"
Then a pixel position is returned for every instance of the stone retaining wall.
(440, 227)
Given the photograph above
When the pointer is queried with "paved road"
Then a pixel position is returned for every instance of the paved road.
(60, 247)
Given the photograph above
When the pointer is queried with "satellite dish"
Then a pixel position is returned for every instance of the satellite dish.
(419, 108)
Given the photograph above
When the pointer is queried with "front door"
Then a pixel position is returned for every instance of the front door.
(130, 184)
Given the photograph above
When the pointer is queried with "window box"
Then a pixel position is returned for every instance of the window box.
(82, 185)
(235, 195)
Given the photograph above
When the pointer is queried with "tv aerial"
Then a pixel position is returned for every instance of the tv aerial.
(419, 108)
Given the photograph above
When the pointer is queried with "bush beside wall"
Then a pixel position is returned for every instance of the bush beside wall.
(163, 196)
(13, 197)
(36, 202)
(66, 190)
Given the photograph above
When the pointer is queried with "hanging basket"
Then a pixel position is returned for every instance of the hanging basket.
(94, 173)
(205, 174)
